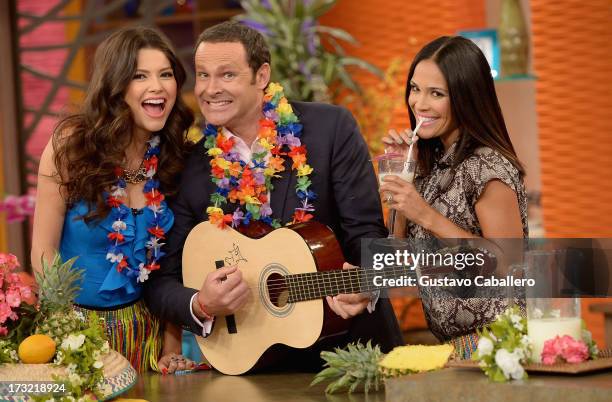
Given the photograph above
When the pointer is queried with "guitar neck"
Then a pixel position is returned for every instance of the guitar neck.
(316, 285)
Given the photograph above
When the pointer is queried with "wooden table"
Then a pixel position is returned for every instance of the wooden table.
(470, 385)
(446, 385)
(210, 386)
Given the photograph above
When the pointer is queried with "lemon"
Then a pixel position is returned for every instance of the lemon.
(36, 349)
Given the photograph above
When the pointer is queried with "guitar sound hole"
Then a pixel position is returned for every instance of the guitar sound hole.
(277, 290)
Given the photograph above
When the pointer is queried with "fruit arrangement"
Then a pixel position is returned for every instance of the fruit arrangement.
(363, 364)
(58, 287)
(36, 328)
(44, 334)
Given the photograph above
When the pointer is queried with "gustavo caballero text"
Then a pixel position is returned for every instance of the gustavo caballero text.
(425, 280)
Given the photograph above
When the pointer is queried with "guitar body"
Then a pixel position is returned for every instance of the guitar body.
(267, 318)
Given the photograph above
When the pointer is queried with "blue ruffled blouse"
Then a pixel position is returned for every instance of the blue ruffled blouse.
(102, 285)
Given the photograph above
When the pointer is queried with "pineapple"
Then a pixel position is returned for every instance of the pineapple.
(358, 363)
(351, 367)
(58, 286)
(415, 359)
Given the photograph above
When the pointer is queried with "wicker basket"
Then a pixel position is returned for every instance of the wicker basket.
(118, 373)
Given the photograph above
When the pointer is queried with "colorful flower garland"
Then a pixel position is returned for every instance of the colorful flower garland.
(119, 211)
(250, 183)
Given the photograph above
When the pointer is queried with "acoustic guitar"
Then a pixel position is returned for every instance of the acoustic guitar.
(289, 270)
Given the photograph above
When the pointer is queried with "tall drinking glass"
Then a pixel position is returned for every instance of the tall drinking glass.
(549, 315)
(396, 165)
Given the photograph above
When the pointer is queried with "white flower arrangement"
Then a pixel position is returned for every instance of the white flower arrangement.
(485, 346)
(81, 353)
(504, 347)
(80, 316)
(105, 348)
(510, 363)
(14, 355)
(73, 342)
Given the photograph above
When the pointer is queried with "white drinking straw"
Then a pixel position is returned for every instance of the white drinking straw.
(414, 133)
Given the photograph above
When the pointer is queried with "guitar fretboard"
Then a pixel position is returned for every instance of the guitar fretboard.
(316, 285)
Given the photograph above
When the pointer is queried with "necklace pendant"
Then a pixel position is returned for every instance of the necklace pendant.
(134, 176)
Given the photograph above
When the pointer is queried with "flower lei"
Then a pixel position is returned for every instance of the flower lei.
(119, 212)
(250, 183)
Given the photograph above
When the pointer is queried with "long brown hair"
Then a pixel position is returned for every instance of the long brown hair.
(89, 145)
(474, 105)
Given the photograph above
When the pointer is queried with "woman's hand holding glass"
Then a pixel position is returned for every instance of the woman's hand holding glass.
(401, 195)
(406, 200)
(395, 163)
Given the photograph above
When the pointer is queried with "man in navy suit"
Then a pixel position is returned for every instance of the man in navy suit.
(232, 65)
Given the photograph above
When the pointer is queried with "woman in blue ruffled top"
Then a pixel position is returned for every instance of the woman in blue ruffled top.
(102, 183)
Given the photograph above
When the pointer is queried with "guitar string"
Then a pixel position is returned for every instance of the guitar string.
(331, 275)
(352, 273)
(349, 271)
(308, 290)
(346, 280)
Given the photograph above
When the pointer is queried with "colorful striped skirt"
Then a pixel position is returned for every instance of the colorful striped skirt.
(465, 345)
(132, 331)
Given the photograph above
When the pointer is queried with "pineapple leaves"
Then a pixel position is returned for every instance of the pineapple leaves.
(58, 283)
(359, 366)
(349, 368)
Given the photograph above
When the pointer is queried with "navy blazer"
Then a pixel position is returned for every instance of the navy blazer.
(347, 201)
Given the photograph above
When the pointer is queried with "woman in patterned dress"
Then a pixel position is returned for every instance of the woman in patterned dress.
(469, 181)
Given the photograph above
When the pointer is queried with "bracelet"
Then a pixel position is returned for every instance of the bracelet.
(207, 316)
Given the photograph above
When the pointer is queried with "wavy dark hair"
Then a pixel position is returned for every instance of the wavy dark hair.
(474, 105)
(90, 144)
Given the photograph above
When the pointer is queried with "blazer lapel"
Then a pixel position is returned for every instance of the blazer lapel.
(278, 201)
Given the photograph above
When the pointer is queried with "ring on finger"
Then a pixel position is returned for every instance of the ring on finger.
(389, 198)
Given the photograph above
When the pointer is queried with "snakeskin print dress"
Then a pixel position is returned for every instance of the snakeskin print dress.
(452, 317)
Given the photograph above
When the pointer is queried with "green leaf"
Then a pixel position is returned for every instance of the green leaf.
(217, 199)
(346, 79)
(327, 374)
(320, 7)
(328, 67)
(498, 376)
(353, 61)
(210, 142)
(260, 156)
(254, 210)
(338, 49)
(338, 34)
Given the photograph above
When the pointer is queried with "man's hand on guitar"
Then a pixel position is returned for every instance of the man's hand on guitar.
(222, 293)
(348, 305)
